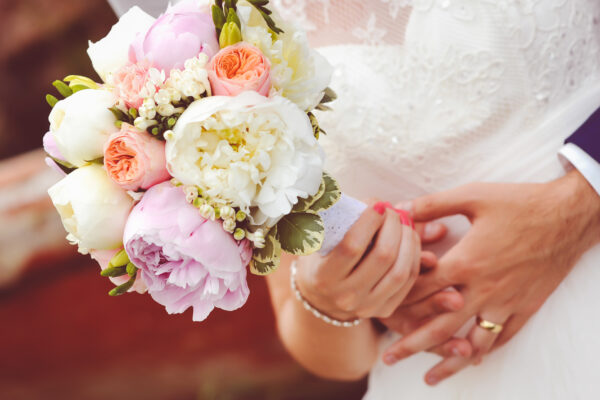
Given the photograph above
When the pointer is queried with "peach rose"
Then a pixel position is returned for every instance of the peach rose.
(131, 83)
(238, 68)
(134, 159)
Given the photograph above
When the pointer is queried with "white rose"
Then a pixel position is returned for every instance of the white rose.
(112, 52)
(92, 207)
(81, 123)
(247, 151)
(298, 72)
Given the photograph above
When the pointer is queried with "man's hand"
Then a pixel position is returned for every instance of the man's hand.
(524, 240)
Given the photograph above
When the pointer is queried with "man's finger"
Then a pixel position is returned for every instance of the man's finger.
(443, 204)
(446, 368)
(512, 326)
(431, 232)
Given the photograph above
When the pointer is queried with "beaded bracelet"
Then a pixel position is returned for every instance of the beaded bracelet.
(314, 311)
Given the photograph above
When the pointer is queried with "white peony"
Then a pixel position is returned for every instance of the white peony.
(112, 52)
(298, 72)
(92, 207)
(81, 124)
(247, 151)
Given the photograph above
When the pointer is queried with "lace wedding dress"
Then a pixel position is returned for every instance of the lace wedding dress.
(438, 93)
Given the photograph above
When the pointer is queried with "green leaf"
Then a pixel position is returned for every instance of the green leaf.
(119, 114)
(330, 197)
(258, 3)
(267, 259)
(304, 204)
(62, 88)
(122, 289)
(301, 234)
(232, 17)
(65, 166)
(51, 100)
(114, 272)
(77, 88)
(218, 17)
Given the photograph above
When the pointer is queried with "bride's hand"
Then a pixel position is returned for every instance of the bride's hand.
(368, 274)
(524, 240)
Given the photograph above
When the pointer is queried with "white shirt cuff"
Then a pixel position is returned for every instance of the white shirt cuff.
(586, 165)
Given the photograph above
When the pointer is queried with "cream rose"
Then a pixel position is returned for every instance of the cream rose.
(81, 124)
(298, 72)
(92, 207)
(247, 151)
(112, 52)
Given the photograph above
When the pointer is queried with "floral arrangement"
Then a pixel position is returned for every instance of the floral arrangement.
(197, 156)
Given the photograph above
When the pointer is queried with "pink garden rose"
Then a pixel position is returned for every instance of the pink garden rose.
(134, 159)
(183, 32)
(186, 260)
(130, 83)
(103, 257)
(238, 68)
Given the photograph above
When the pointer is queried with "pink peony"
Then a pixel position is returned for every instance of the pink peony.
(183, 32)
(238, 68)
(130, 82)
(186, 260)
(103, 257)
(134, 159)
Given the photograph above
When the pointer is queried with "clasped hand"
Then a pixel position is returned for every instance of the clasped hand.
(524, 239)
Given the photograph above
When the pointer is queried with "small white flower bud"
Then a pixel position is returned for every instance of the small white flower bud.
(229, 225)
(207, 212)
(166, 110)
(162, 97)
(191, 193)
(258, 238)
(239, 234)
(227, 212)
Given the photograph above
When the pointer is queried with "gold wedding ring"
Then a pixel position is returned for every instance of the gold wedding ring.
(489, 326)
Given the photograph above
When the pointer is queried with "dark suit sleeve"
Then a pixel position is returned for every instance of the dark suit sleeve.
(587, 137)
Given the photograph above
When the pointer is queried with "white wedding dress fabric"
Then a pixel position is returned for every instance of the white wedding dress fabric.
(434, 94)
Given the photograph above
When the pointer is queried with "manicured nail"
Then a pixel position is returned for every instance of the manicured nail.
(450, 306)
(379, 207)
(432, 380)
(390, 359)
(456, 352)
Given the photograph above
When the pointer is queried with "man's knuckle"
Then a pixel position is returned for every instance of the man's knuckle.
(351, 246)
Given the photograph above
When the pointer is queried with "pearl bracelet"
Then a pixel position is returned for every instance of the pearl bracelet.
(314, 311)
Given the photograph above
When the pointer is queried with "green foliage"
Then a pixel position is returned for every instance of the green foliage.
(304, 204)
(330, 196)
(114, 272)
(51, 100)
(328, 96)
(301, 234)
(265, 12)
(62, 88)
(267, 259)
(122, 289)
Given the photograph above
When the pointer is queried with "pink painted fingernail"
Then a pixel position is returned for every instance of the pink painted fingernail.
(390, 359)
(379, 207)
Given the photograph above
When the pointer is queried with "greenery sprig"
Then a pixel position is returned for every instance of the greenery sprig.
(224, 11)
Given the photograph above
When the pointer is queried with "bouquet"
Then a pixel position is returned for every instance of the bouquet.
(197, 156)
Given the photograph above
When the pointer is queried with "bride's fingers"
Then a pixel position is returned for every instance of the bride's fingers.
(393, 287)
(446, 368)
(455, 347)
(432, 334)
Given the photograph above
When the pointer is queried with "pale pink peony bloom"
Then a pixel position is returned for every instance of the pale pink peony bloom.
(134, 159)
(103, 257)
(186, 260)
(183, 32)
(239, 68)
(51, 148)
(130, 81)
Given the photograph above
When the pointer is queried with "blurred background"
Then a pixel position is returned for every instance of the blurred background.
(61, 335)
